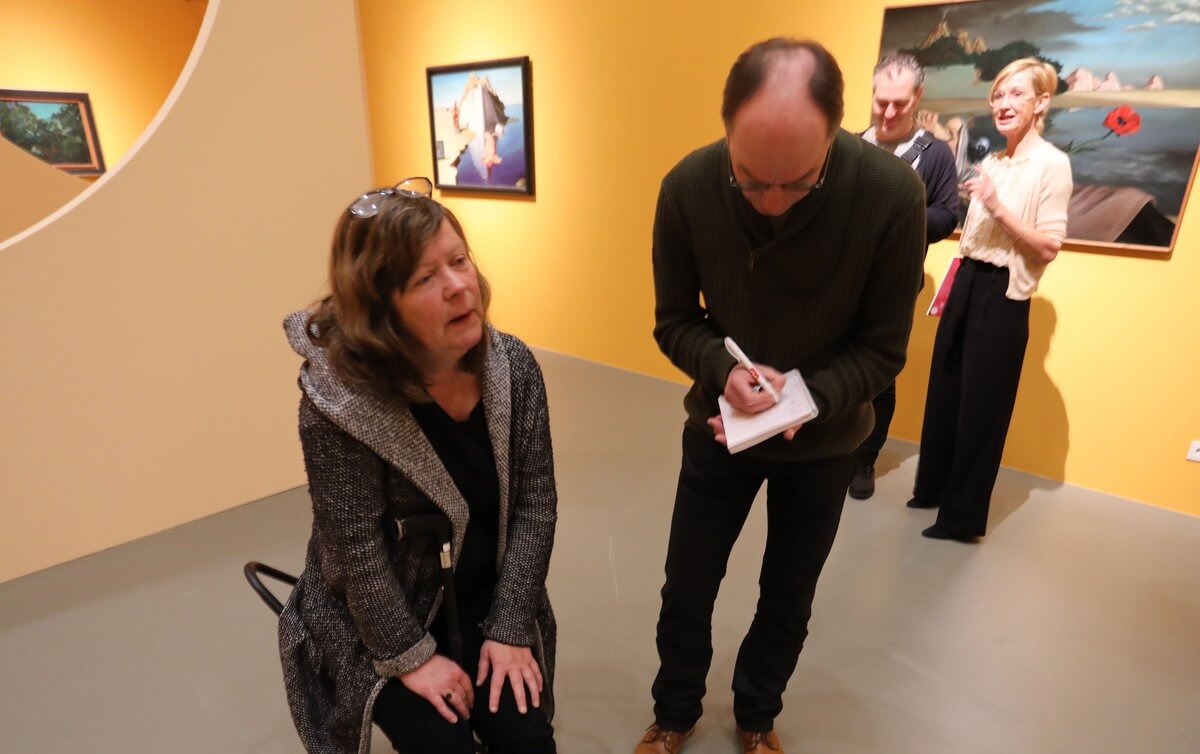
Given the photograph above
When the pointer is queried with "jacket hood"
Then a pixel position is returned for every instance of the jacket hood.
(389, 430)
(318, 379)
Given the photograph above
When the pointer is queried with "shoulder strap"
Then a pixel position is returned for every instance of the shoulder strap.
(919, 145)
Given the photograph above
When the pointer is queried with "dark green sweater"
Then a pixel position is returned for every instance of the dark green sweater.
(830, 292)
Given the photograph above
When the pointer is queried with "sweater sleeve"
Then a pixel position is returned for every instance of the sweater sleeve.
(1054, 196)
(875, 351)
(346, 483)
(681, 325)
(533, 509)
(941, 192)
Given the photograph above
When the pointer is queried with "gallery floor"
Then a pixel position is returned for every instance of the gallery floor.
(1074, 627)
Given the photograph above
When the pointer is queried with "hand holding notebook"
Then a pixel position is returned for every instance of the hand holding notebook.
(744, 430)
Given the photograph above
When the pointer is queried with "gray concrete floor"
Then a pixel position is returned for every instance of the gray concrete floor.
(1074, 627)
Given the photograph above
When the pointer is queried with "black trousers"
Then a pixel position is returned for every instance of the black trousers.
(977, 357)
(716, 490)
(885, 408)
(415, 727)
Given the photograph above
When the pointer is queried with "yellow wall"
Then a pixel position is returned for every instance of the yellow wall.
(622, 90)
(125, 54)
(146, 381)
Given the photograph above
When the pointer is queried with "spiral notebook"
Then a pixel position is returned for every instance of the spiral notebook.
(796, 406)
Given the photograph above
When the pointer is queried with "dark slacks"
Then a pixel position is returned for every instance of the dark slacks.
(716, 490)
(977, 356)
(885, 408)
(415, 727)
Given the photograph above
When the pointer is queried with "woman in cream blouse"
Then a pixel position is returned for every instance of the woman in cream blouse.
(1014, 228)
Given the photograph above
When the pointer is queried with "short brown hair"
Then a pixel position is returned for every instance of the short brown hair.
(753, 66)
(357, 324)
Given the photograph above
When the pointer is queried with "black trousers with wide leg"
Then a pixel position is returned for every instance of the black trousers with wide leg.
(716, 490)
(977, 357)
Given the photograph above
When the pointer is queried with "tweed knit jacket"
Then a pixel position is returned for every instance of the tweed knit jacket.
(361, 611)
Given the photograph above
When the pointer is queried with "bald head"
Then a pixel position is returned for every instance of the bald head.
(783, 106)
(797, 73)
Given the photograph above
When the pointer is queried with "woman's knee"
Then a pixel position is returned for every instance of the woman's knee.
(507, 731)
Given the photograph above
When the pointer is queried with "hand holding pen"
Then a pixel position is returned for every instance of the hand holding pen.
(754, 387)
(749, 366)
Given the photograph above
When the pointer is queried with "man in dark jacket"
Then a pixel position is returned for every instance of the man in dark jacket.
(804, 244)
(896, 96)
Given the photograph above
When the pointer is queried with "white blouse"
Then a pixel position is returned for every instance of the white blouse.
(1036, 188)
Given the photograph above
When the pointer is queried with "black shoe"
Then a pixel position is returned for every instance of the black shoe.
(862, 484)
(917, 502)
(937, 532)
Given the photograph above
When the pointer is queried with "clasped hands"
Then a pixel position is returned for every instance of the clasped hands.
(744, 394)
(445, 685)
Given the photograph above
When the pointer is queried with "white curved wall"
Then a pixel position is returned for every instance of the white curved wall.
(145, 380)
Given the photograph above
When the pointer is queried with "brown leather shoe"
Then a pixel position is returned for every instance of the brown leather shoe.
(759, 743)
(661, 741)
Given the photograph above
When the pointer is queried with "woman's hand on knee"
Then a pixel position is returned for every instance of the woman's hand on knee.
(514, 664)
(442, 683)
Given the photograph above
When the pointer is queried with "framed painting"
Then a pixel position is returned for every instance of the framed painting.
(54, 126)
(481, 123)
(1127, 111)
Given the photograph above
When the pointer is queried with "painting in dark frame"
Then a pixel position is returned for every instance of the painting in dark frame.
(57, 127)
(481, 126)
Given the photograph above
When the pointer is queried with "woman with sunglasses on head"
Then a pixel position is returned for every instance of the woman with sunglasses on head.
(1014, 228)
(413, 404)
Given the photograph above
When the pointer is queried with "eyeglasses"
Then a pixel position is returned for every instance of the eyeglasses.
(794, 187)
(998, 99)
(367, 205)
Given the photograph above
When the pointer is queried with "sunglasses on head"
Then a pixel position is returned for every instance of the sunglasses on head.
(367, 205)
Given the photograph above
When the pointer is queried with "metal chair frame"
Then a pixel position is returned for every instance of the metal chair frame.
(432, 523)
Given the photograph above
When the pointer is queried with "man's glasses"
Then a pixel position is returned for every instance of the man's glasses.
(367, 205)
(794, 187)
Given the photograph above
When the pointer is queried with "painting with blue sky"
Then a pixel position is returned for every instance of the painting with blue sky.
(481, 122)
(1138, 58)
(56, 127)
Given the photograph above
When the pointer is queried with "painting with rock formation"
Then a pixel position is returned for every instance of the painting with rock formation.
(1127, 109)
(481, 121)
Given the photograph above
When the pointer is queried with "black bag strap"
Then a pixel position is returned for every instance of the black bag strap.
(919, 145)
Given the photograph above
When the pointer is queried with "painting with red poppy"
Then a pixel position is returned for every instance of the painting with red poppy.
(1127, 110)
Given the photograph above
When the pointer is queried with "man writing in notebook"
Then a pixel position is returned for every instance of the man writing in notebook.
(896, 95)
(805, 244)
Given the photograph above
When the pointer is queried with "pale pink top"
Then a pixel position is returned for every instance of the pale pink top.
(1036, 188)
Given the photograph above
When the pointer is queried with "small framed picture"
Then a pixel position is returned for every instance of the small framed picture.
(481, 123)
(54, 126)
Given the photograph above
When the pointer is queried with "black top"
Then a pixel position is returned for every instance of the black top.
(465, 449)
